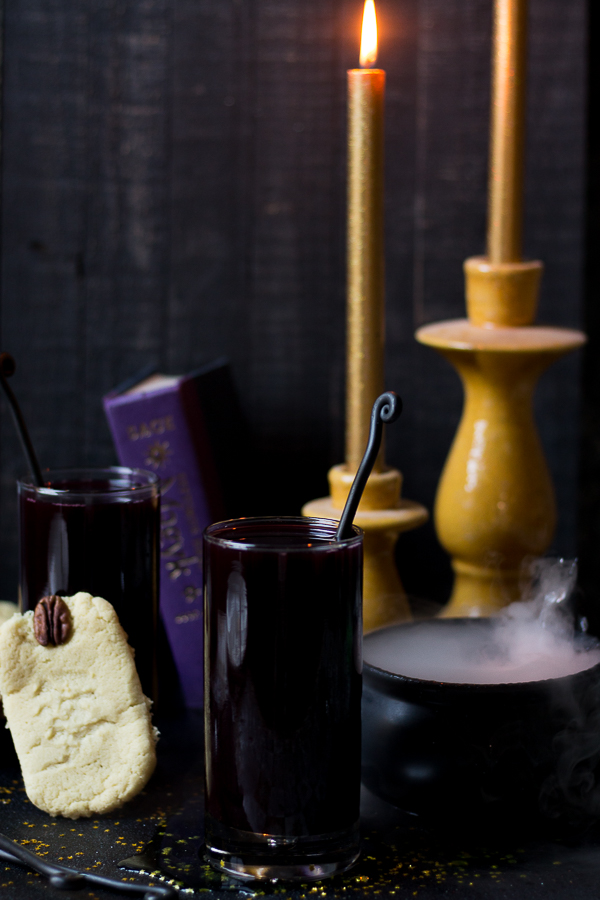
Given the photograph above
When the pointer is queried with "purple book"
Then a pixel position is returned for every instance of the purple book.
(158, 424)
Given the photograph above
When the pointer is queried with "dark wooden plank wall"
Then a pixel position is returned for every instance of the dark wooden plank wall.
(589, 479)
(173, 189)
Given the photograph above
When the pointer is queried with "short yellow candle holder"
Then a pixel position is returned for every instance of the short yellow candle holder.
(495, 502)
(382, 515)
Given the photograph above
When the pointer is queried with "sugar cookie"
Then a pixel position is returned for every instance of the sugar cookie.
(78, 718)
(7, 609)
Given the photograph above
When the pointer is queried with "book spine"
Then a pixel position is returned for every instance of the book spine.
(151, 431)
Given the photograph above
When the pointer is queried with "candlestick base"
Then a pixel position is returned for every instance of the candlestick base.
(495, 502)
(384, 597)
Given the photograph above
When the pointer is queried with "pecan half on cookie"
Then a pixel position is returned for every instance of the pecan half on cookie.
(51, 621)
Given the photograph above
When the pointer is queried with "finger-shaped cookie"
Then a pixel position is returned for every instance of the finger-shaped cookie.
(72, 697)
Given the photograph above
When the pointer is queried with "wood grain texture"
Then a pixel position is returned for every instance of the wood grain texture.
(589, 475)
(173, 190)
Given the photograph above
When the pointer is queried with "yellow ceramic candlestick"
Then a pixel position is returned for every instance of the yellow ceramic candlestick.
(381, 514)
(495, 503)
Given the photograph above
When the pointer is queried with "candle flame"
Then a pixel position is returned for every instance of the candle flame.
(368, 41)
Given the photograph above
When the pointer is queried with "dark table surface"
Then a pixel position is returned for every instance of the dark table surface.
(162, 829)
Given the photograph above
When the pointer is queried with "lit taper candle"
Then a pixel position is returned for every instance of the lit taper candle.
(365, 260)
(382, 513)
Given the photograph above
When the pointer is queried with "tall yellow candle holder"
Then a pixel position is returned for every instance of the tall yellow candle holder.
(495, 503)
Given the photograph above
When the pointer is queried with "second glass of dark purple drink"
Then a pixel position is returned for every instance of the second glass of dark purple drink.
(96, 530)
(283, 629)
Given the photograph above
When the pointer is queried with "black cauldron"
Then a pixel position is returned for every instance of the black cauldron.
(468, 752)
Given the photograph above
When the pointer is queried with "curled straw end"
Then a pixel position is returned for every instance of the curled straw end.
(387, 408)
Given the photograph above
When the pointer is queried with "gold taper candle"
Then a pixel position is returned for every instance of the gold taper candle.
(382, 513)
(507, 139)
(365, 261)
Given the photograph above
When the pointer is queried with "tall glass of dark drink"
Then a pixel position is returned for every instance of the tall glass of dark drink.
(96, 530)
(283, 628)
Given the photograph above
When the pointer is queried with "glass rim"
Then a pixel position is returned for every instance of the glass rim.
(327, 545)
(148, 481)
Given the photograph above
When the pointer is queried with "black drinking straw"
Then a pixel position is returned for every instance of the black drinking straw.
(7, 368)
(387, 408)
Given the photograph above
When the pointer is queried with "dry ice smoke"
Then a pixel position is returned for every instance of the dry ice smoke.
(535, 638)
(532, 640)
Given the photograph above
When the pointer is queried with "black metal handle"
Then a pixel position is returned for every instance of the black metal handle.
(387, 408)
(60, 878)
(66, 879)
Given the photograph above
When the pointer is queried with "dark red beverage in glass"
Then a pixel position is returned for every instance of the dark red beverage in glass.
(96, 530)
(283, 664)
